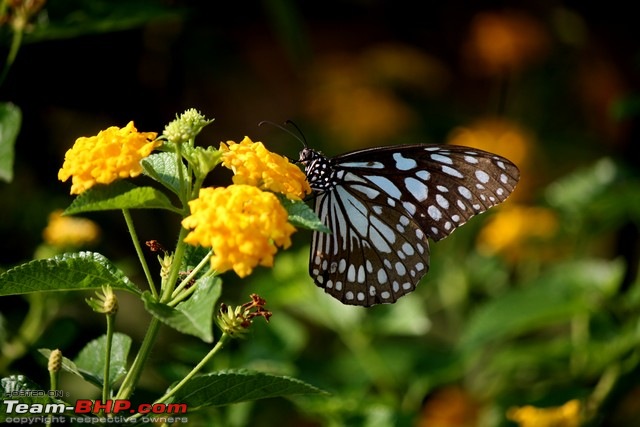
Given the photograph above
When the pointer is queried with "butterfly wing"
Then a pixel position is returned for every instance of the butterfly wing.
(384, 205)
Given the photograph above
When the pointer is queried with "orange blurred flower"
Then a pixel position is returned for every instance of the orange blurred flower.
(450, 407)
(353, 95)
(504, 41)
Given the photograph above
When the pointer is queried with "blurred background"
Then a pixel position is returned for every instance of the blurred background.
(534, 303)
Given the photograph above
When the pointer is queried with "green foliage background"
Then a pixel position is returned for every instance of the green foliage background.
(551, 321)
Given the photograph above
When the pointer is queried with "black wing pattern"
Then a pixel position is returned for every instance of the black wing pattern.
(382, 205)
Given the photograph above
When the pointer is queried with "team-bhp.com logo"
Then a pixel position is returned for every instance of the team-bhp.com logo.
(118, 411)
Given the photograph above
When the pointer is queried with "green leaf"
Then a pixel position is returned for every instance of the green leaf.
(568, 289)
(192, 257)
(233, 386)
(119, 195)
(89, 364)
(74, 18)
(301, 215)
(193, 316)
(91, 359)
(66, 272)
(574, 192)
(67, 364)
(162, 167)
(10, 122)
(19, 383)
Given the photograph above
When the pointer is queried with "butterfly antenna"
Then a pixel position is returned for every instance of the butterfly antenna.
(300, 136)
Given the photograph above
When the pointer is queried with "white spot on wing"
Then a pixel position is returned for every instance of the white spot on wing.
(434, 213)
(385, 185)
(382, 276)
(465, 192)
(417, 188)
(470, 159)
(442, 159)
(370, 165)
(444, 203)
(351, 273)
(407, 249)
(410, 207)
(403, 163)
(482, 176)
(424, 175)
(371, 193)
(451, 171)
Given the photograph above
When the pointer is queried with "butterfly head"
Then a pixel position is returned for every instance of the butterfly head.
(317, 168)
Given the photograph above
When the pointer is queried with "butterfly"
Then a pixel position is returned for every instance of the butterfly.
(383, 204)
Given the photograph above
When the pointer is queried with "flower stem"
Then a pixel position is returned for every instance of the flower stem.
(53, 385)
(107, 359)
(16, 41)
(136, 244)
(167, 290)
(187, 279)
(131, 380)
(219, 345)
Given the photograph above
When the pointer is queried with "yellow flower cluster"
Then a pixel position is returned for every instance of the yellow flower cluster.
(253, 164)
(242, 224)
(65, 231)
(567, 415)
(114, 153)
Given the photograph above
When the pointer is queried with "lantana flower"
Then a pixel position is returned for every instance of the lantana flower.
(253, 164)
(241, 223)
(186, 126)
(113, 153)
(65, 231)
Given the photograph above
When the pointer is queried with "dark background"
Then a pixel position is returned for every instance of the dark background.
(331, 67)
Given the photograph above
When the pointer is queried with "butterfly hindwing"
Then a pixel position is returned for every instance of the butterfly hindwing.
(375, 253)
(382, 204)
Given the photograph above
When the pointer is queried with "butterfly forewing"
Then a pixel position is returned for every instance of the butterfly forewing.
(382, 204)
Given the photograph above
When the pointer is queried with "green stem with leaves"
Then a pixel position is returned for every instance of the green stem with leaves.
(131, 380)
(219, 345)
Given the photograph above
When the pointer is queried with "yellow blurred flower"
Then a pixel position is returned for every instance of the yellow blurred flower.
(67, 231)
(253, 164)
(501, 137)
(495, 135)
(114, 153)
(504, 41)
(241, 223)
(513, 226)
(567, 415)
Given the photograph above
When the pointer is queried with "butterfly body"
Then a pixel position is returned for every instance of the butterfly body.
(383, 204)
